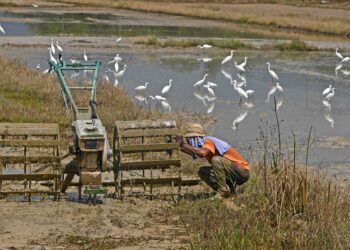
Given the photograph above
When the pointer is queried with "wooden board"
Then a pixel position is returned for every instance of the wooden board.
(30, 159)
(29, 129)
(30, 143)
(33, 177)
(138, 148)
(142, 165)
(148, 132)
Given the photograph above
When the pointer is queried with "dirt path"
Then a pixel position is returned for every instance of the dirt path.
(132, 224)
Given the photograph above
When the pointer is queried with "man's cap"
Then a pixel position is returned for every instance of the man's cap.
(194, 129)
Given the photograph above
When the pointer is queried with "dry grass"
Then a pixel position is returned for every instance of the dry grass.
(30, 96)
(308, 19)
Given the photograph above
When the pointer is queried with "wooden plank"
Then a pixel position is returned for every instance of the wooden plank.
(26, 125)
(154, 181)
(139, 165)
(29, 159)
(148, 132)
(28, 131)
(135, 148)
(29, 192)
(33, 177)
(136, 124)
(30, 143)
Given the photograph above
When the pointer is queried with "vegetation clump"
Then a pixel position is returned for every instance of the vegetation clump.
(295, 45)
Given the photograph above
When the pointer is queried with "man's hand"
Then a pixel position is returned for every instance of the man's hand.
(179, 139)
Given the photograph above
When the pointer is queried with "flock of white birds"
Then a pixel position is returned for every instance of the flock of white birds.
(239, 86)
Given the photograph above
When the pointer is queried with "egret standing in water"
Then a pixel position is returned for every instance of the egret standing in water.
(330, 95)
(210, 90)
(239, 67)
(2, 29)
(338, 54)
(228, 58)
(52, 47)
(200, 82)
(166, 89)
(141, 87)
(59, 48)
(85, 56)
(327, 90)
(272, 73)
(205, 46)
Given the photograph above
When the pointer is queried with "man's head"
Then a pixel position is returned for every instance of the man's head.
(194, 130)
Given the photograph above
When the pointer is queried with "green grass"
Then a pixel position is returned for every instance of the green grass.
(187, 43)
(295, 45)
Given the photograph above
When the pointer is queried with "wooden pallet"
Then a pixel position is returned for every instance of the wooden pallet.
(32, 151)
(146, 157)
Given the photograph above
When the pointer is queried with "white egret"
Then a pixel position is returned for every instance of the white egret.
(59, 48)
(240, 84)
(116, 66)
(239, 67)
(121, 73)
(35, 5)
(37, 66)
(205, 59)
(330, 94)
(272, 73)
(271, 92)
(345, 59)
(52, 47)
(228, 58)
(210, 90)
(141, 87)
(157, 97)
(118, 40)
(327, 90)
(116, 82)
(338, 67)
(345, 72)
(106, 76)
(205, 46)
(116, 58)
(212, 84)
(85, 56)
(166, 88)
(243, 64)
(141, 98)
(338, 54)
(46, 71)
(239, 90)
(200, 82)
(250, 92)
(327, 104)
(2, 29)
(51, 56)
(239, 119)
(74, 61)
(279, 103)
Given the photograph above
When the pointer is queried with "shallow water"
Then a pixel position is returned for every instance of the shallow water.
(303, 77)
(100, 24)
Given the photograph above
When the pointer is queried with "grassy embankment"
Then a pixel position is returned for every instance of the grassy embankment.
(282, 206)
(325, 21)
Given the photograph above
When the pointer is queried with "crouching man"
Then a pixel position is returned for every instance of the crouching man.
(228, 167)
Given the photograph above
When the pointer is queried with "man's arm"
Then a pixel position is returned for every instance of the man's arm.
(190, 150)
